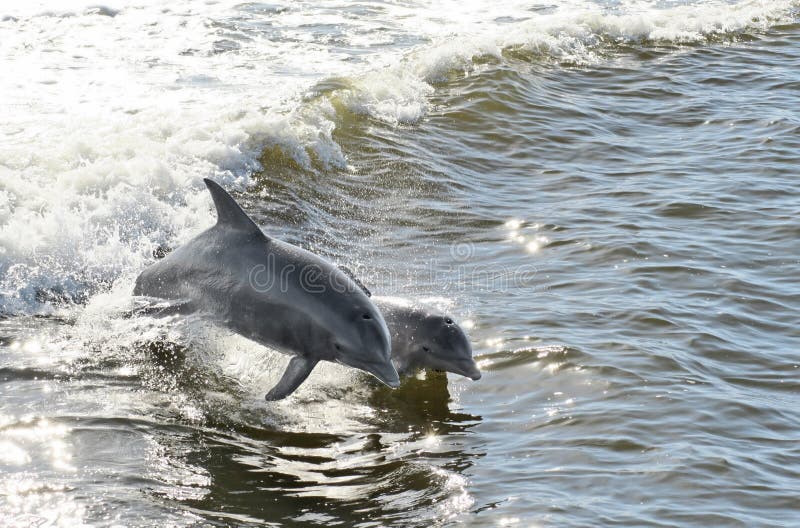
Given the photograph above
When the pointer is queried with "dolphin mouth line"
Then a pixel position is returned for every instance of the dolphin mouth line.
(385, 373)
(470, 371)
(390, 382)
(387, 378)
(465, 367)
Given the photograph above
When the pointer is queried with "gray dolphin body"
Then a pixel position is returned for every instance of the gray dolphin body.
(423, 338)
(427, 338)
(275, 294)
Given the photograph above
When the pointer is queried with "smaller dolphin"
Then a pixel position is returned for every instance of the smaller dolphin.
(273, 293)
(425, 338)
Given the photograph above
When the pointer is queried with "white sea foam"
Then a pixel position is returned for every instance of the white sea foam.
(112, 114)
(109, 124)
(574, 32)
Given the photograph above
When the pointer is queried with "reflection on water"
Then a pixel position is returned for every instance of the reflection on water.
(404, 467)
(230, 459)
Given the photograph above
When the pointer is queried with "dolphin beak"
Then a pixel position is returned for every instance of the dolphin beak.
(468, 370)
(385, 372)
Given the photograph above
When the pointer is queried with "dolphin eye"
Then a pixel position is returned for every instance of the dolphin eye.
(426, 349)
(367, 316)
(448, 321)
(337, 346)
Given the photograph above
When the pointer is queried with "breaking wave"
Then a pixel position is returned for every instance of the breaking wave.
(119, 112)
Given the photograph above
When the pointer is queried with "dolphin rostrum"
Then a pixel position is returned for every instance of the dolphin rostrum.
(275, 294)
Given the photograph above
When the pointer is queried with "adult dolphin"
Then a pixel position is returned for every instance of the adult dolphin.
(275, 294)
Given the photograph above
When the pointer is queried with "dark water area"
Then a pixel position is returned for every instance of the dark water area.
(619, 238)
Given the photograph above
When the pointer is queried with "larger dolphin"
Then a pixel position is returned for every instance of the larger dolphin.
(276, 294)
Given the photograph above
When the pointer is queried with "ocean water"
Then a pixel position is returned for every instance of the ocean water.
(605, 195)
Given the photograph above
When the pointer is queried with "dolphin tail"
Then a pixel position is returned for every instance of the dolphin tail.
(296, 373)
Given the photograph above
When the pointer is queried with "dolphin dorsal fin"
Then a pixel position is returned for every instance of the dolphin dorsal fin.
(229, 213)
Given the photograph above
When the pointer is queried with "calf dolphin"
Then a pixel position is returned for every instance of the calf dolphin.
(424, 337)
(275, 294)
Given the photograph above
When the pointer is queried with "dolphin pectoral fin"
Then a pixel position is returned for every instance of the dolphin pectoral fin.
(347, 271)
(296, 373)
